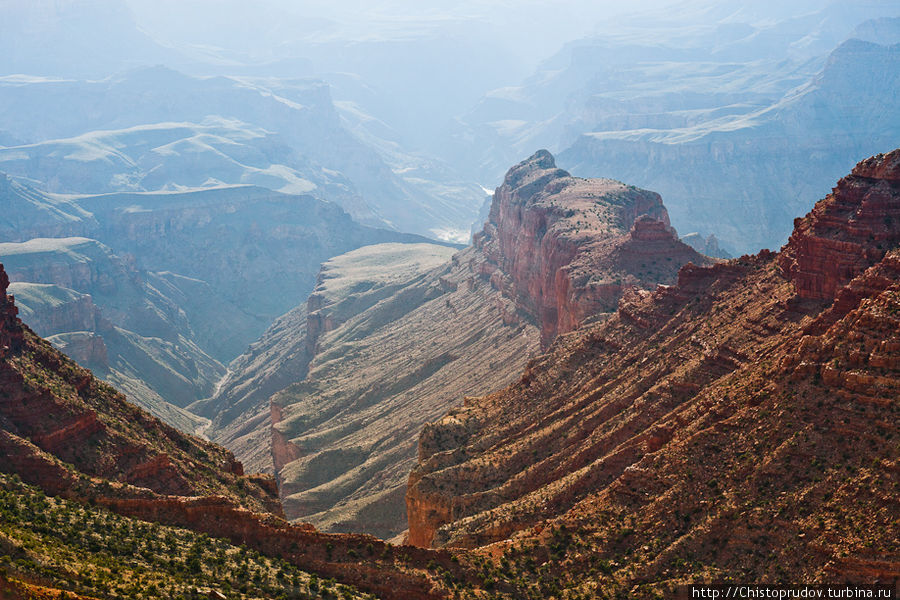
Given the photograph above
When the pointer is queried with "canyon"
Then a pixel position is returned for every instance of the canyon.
(157, 298)
(380, 348)
(732, 419)
(729, 424)
(267, 332)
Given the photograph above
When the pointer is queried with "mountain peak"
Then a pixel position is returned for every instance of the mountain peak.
(533, 173)
(542, 159)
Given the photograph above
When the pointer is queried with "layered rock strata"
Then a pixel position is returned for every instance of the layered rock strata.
(564, 248)
(846, 232)
(731, 425)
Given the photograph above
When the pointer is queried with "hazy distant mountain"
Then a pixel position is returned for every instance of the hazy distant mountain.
(743, 176)
(29, 212)
(884, 31)
(697, 64)
(157, 129)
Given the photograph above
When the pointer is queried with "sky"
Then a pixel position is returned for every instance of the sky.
(267, 29)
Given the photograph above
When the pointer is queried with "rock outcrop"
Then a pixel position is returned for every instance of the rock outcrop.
(730, 425)
(84, 347)
(708, 245)
(51, 309)
(565, 248)
(848, 231)
(10, 334)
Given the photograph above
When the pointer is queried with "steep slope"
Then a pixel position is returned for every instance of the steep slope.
(75, 438)
(380, 348)
(739, 424)
(343, 438)
(347, 284)
(50, 405)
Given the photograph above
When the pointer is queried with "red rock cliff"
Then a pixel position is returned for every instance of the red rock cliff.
(564, 248)
(848, 231)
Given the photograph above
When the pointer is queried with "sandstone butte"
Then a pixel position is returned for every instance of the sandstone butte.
(375, 360)
(73, 436)
(741, 424)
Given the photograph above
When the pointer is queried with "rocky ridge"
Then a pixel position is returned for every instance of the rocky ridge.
(847, 232)
(727, 426)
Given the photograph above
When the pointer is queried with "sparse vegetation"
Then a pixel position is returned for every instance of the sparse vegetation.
(68, 546)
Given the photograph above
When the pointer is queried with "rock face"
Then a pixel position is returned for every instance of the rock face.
(381, 348)
(10, 334)
(708, 245)
(730, 425)
(84, 347)
(565, 248)
(51, 309)
(848, 231)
